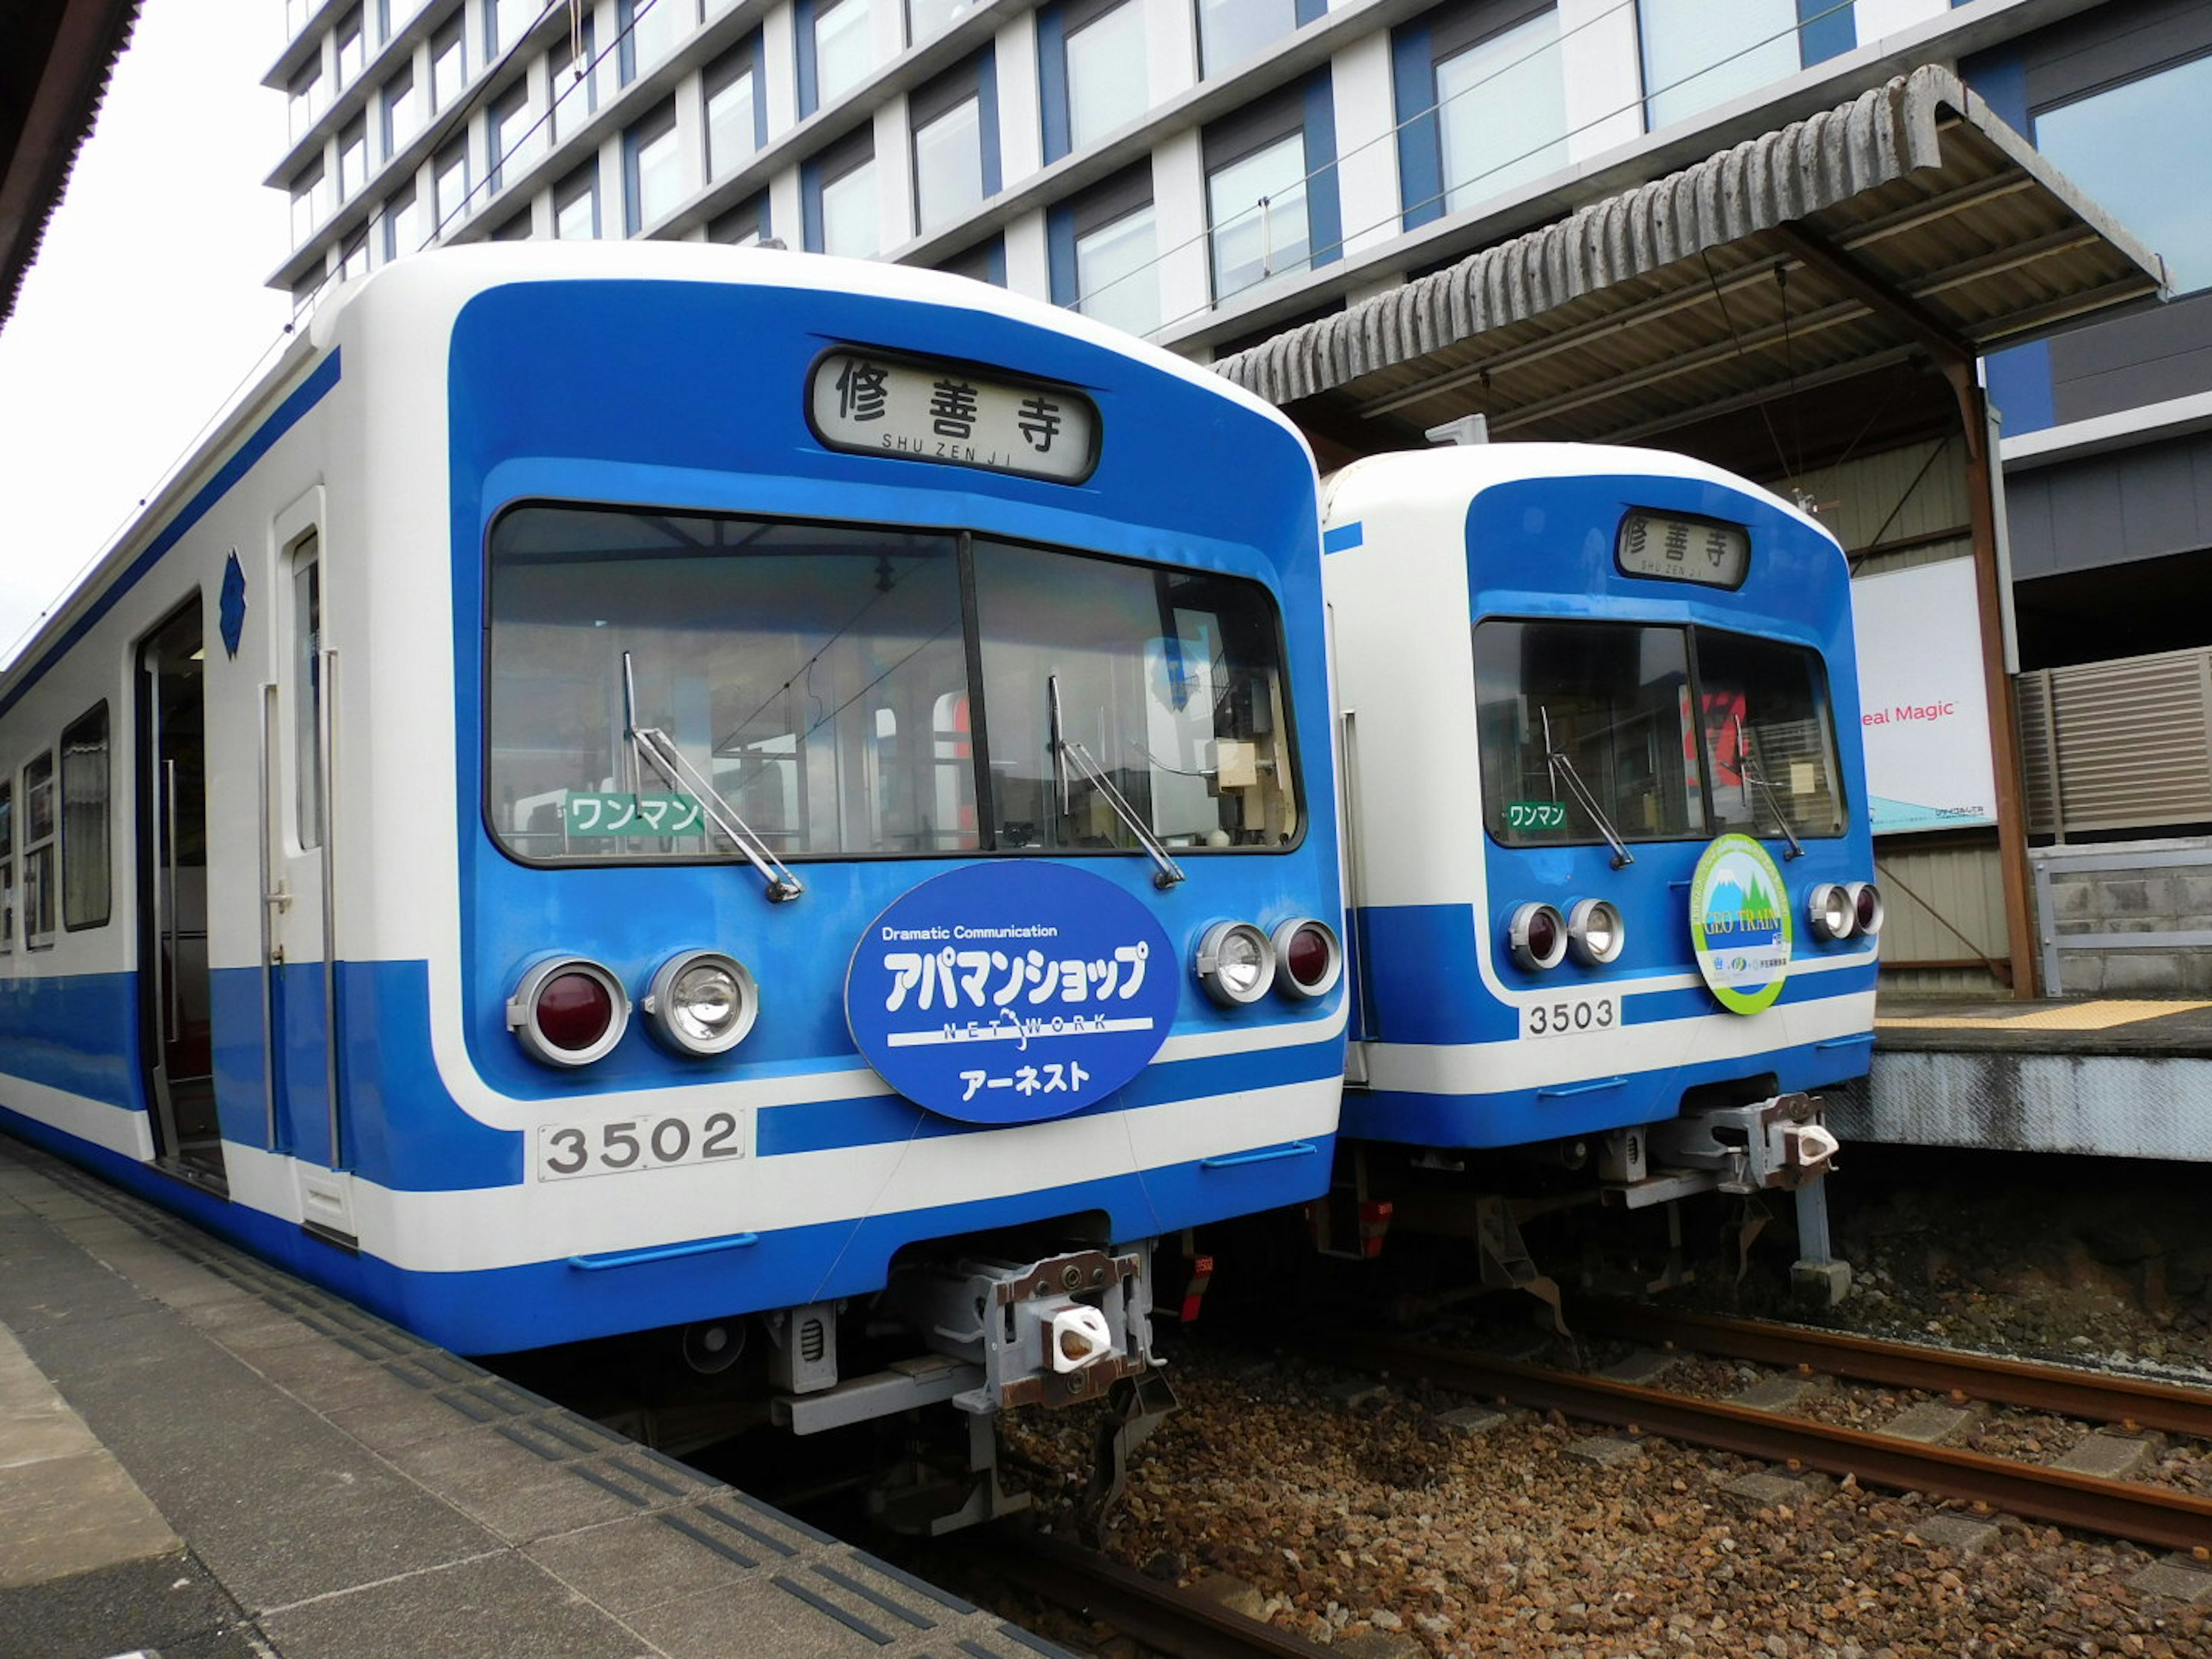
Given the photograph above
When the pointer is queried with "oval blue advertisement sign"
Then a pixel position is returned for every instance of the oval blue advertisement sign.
(1011, 993)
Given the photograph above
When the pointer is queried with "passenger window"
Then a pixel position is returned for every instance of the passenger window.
(87, 879)
(308, 699)
(38, 852)
(6, 865)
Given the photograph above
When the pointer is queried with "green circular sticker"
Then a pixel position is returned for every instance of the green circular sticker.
(1740, 924)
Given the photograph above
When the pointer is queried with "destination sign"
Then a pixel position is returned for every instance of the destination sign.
(1676, 548)
(871, 404)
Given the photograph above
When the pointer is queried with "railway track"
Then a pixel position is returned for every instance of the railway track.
(1159, 1615)
(2102, 1396)
(2119, 1508)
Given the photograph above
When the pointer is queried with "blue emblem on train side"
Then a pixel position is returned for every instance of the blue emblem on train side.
(1011, 992)
(231, 613)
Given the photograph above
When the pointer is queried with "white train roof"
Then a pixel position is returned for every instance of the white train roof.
(417, 298)
(1450, 476)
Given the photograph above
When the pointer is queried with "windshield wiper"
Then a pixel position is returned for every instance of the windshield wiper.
(1756, 780)
(1066, 749)
(658, 750)
(1557, 764)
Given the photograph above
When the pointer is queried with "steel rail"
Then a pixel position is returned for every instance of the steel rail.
(2146, 1514)
(2105, 1396)
(1158, 1615)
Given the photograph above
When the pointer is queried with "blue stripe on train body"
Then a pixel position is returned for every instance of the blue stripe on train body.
(1542, 547)
(696, 402)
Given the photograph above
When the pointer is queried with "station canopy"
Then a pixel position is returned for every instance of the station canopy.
(1793, 292)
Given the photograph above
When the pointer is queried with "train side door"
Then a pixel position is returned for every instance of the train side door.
(299, 908)
(175, 1002)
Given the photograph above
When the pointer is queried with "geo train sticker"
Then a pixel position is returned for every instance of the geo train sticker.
(1011, 992)
(1740, 924)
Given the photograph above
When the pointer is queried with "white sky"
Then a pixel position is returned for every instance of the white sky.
(145, 309)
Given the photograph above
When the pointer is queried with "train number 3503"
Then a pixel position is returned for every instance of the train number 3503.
(1568, 1016)
(664, 1140)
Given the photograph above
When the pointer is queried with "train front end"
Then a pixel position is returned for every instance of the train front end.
(1611, 868)
(896, 883)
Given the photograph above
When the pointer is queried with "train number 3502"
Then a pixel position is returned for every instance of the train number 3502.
(1568, 1016)
(664, 1141)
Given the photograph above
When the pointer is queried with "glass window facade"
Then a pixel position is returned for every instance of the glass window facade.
(452, 185)
(2101, 142)
(851, 225)
(843, 54)
(1116, 278)
(1697, 54)
(926, 19)
(310, 206)
(948, 165)
(654, 164)
(1256, 210)
(449, 65)
(1677, 734)
(402, 112)
(353, 159)
(1502, 108)
(819, 676)
(576, 206)
(1231, 31)
(517, 136)
(1107, 77)
(305, 104)
(352, 50)
(650, 29)
(732, 87)
(404, 229)
(573, 81)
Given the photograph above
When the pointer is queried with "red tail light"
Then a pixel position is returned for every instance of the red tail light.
(1309, 957)
(568, 1011)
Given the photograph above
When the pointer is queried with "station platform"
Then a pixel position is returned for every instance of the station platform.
(2108, 1077)
(201, 1457)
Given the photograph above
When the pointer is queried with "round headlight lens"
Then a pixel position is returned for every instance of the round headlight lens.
(1596, 932)
(568, 1010)
(1235, 964)
(1537, 936)
(1867, 906)
(1310, 956)
(1828, 911)
(702, 1002)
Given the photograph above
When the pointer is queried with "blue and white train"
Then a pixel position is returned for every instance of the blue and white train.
(1609, 864)
(636, 786)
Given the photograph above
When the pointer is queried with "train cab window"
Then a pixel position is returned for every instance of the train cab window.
(86, 838)
(817, 678)
(1609, 703)
(1168, 684)
(1668, 733)
(1769, 741)
(6, 865)
(802, 669)
(38, 852)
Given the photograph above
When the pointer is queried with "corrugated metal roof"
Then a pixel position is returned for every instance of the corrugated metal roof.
(1695, 294)
(56, 56)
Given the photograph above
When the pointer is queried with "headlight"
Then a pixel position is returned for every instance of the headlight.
(1867, 907)
(1537, 935)
(1829, 911)
(1308, 957)
(1235, 964)
(568, 1011)
(1596, 932)
(702, 1002)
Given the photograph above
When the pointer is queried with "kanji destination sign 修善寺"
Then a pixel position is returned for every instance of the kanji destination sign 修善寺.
(869, 403)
